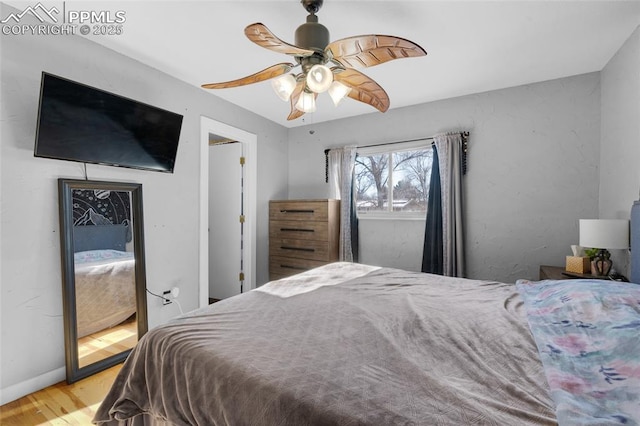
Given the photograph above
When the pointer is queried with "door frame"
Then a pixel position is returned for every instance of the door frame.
(249, 143)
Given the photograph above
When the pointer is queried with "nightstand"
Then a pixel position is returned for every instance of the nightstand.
(558, 273)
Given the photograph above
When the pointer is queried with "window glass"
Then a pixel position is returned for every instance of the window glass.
(372, 174)
(393, 182)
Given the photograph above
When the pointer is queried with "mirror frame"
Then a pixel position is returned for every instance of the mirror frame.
(65, 191)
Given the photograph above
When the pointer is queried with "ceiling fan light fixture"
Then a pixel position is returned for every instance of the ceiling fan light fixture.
(319, 78)
(306, 102)
(338, 92)
(312, 51)
(284, 86)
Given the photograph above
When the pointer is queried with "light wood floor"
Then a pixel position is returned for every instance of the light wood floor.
(75, 404)
(60, 404)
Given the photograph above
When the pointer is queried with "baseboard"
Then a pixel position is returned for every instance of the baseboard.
(13, 392)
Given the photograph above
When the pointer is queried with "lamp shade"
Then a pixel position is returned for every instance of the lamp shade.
(284, 86)
(338, 91)
(319, 78)
(306, 102)
(604, 233)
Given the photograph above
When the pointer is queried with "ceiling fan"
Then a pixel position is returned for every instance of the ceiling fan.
(312, 51)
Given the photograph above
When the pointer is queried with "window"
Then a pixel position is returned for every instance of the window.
(393, 180)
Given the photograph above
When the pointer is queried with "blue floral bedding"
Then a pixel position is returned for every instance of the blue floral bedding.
(588, 336)
(92, 256)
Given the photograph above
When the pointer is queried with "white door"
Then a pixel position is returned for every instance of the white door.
(225, 227)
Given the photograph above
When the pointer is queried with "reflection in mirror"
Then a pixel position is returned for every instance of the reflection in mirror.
(104, 273)
(104, 278)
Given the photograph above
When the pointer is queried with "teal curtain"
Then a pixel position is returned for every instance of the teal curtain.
(355, 236)
(432, 261)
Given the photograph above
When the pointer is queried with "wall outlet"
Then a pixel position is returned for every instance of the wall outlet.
(166, 297)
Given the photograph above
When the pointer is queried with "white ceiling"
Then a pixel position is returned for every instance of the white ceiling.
(472, 46)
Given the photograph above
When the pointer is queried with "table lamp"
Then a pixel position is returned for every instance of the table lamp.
(604, 234)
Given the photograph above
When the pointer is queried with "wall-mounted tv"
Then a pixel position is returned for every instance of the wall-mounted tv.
(77, 122)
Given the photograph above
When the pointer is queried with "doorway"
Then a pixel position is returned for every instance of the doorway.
(227, 266)
(226, 218)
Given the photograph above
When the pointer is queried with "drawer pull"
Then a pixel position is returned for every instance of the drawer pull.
(296, 211)
(297, 248)
(293, 267)
(296, 230)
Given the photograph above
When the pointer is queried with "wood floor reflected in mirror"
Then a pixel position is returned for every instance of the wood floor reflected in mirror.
(111, 341)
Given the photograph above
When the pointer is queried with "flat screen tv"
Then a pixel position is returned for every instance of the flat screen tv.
(77, 122)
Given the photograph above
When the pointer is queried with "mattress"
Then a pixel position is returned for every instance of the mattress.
(105, 289)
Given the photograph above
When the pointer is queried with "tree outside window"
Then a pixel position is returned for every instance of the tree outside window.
(393, 182)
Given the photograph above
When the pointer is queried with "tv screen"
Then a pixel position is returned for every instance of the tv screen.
(77, 122)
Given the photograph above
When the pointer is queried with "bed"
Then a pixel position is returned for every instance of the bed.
(351, 344)
(104, 277)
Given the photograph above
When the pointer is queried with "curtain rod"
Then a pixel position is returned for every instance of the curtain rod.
(464, 135)
(396, 142)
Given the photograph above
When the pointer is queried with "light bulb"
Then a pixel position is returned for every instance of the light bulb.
(284, 86)
(319, 78)
(306, 102)
(338, 91)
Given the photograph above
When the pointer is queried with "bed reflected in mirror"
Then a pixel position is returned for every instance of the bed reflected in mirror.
(103, 273)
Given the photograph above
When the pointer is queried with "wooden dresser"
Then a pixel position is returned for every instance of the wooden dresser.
(303, 234)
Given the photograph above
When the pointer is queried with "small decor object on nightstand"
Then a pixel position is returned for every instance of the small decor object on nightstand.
(578, 264)
(603, 234)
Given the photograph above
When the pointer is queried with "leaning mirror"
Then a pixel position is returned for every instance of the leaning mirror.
(103, 273)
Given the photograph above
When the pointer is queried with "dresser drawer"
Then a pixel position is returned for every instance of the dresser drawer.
(299, 210)
(299, 230)
(300, 249)
(280, 267)
(303, 234)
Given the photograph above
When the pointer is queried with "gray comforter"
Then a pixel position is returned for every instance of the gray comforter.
(385, 347)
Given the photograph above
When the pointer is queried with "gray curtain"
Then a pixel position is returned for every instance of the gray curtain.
(450, 149)
(340, 175)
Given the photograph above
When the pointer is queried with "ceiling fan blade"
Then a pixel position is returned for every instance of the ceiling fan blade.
(260, 35)
(363, 89)
(265, 74)
(295, 95)
(370, 50)
(296, 113)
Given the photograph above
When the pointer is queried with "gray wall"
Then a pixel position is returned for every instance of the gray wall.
(32, 352)
(533, 172)
(620, 146)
